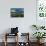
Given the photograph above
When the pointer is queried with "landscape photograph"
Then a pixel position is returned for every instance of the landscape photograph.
(17, 12)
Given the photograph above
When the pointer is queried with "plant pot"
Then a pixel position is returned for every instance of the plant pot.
(40, 41)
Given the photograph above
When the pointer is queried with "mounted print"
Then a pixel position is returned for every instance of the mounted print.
(17, 12)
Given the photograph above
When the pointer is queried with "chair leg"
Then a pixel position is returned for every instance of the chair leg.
(5, 40)
(5, 43)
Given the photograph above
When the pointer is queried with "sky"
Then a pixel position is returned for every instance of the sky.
(18, 10)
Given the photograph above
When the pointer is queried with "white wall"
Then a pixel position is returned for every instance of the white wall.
(24, 24)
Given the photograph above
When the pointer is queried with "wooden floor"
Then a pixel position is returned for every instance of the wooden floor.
(13, 44)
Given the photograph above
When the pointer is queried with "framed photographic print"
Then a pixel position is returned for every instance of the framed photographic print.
(17, 12)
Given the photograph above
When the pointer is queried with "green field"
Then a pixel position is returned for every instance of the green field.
(17, 15)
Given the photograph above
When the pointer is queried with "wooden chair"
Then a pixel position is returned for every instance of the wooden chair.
(8, 34)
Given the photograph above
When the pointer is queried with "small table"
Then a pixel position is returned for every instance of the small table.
(9, 34)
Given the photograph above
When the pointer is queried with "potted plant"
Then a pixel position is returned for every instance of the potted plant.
(39, 35)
